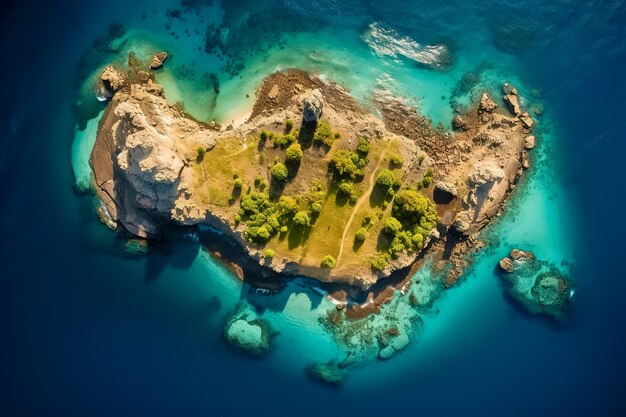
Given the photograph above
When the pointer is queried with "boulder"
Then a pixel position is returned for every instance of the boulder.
(517, 255)
(313, 104)
(444, 192)
(512, 101)
(458, 123)
(526, 120)
(529, 142)
(273, 94)
(157, 60)
(506, 264)
(487, 104)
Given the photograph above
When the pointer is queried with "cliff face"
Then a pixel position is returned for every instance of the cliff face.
(149, 171)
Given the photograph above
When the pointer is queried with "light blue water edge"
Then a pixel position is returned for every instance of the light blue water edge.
(536, 219)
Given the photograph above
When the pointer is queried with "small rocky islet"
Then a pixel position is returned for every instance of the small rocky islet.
(314, 184)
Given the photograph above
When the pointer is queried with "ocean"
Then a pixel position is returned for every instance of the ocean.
(87, 328)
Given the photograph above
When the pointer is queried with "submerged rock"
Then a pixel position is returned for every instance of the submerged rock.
(325, 372)
(527, 121)
(250, 335)
(458, 123)
(397, 344)
(539, 287)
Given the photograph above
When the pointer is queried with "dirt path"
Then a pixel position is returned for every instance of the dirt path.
(360, 201)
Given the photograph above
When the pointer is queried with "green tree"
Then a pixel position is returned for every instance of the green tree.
(323, 133)
(269, 253)
(348, 164)
(380, 261)
(279, 172)
(294, 153)
(328, 262)
(237, 183)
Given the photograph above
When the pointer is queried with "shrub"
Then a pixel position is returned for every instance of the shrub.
(345, 187)
(269, 254)
(238, 184)
(380, 261)
(323, 133)
(302, 218)
(386, 179)
(348, 164)
(328, 262)
(392, 225)
(396, 160)
(294, 152)
(363, 146)
(259, 182)
(361, 234)
(316, 207)
(279, 172)
(337, 135)
(288, 125)
(287, 205)
(264, 135)
(201, 151)
(420, 160)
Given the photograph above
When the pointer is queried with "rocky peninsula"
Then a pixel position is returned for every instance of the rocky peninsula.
(312, 183)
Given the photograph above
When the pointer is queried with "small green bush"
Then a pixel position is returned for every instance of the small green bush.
(361, 234)
(201, 151)
(345, 187)
(237, 183)
(396, 160)
(264, 135)
(279, 172)
(288, 125)
(328, 262)
(294, 153)
(348, 164)
(380, 261)
(323, 133)
(269, 254)
(363, 146)
(386, 179)
(316, 207)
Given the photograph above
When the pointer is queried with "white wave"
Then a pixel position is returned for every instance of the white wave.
(386, 42)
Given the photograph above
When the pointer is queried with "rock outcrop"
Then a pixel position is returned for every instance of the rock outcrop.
(112, 80)
(512, 102)
(139, 160)
(397, 344)
(313, 104)
(486, 103)
(327, 373)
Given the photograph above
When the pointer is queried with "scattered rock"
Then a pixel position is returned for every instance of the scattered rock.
(512, 102)
(487, 104)
(445, 192)
(313, 104)
(529, 142)
(527, 121)
(157, 60)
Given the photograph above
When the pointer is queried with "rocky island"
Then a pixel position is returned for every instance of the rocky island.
(313, 183)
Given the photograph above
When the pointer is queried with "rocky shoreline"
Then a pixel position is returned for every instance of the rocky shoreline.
(145, 147)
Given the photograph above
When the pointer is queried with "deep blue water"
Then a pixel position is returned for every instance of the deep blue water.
(85, 331)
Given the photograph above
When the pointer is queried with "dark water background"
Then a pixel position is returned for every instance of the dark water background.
(79, 335)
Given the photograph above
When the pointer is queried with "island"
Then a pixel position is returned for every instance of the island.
(313, 183)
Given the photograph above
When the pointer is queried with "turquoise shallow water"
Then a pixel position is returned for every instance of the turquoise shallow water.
(87, 319)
